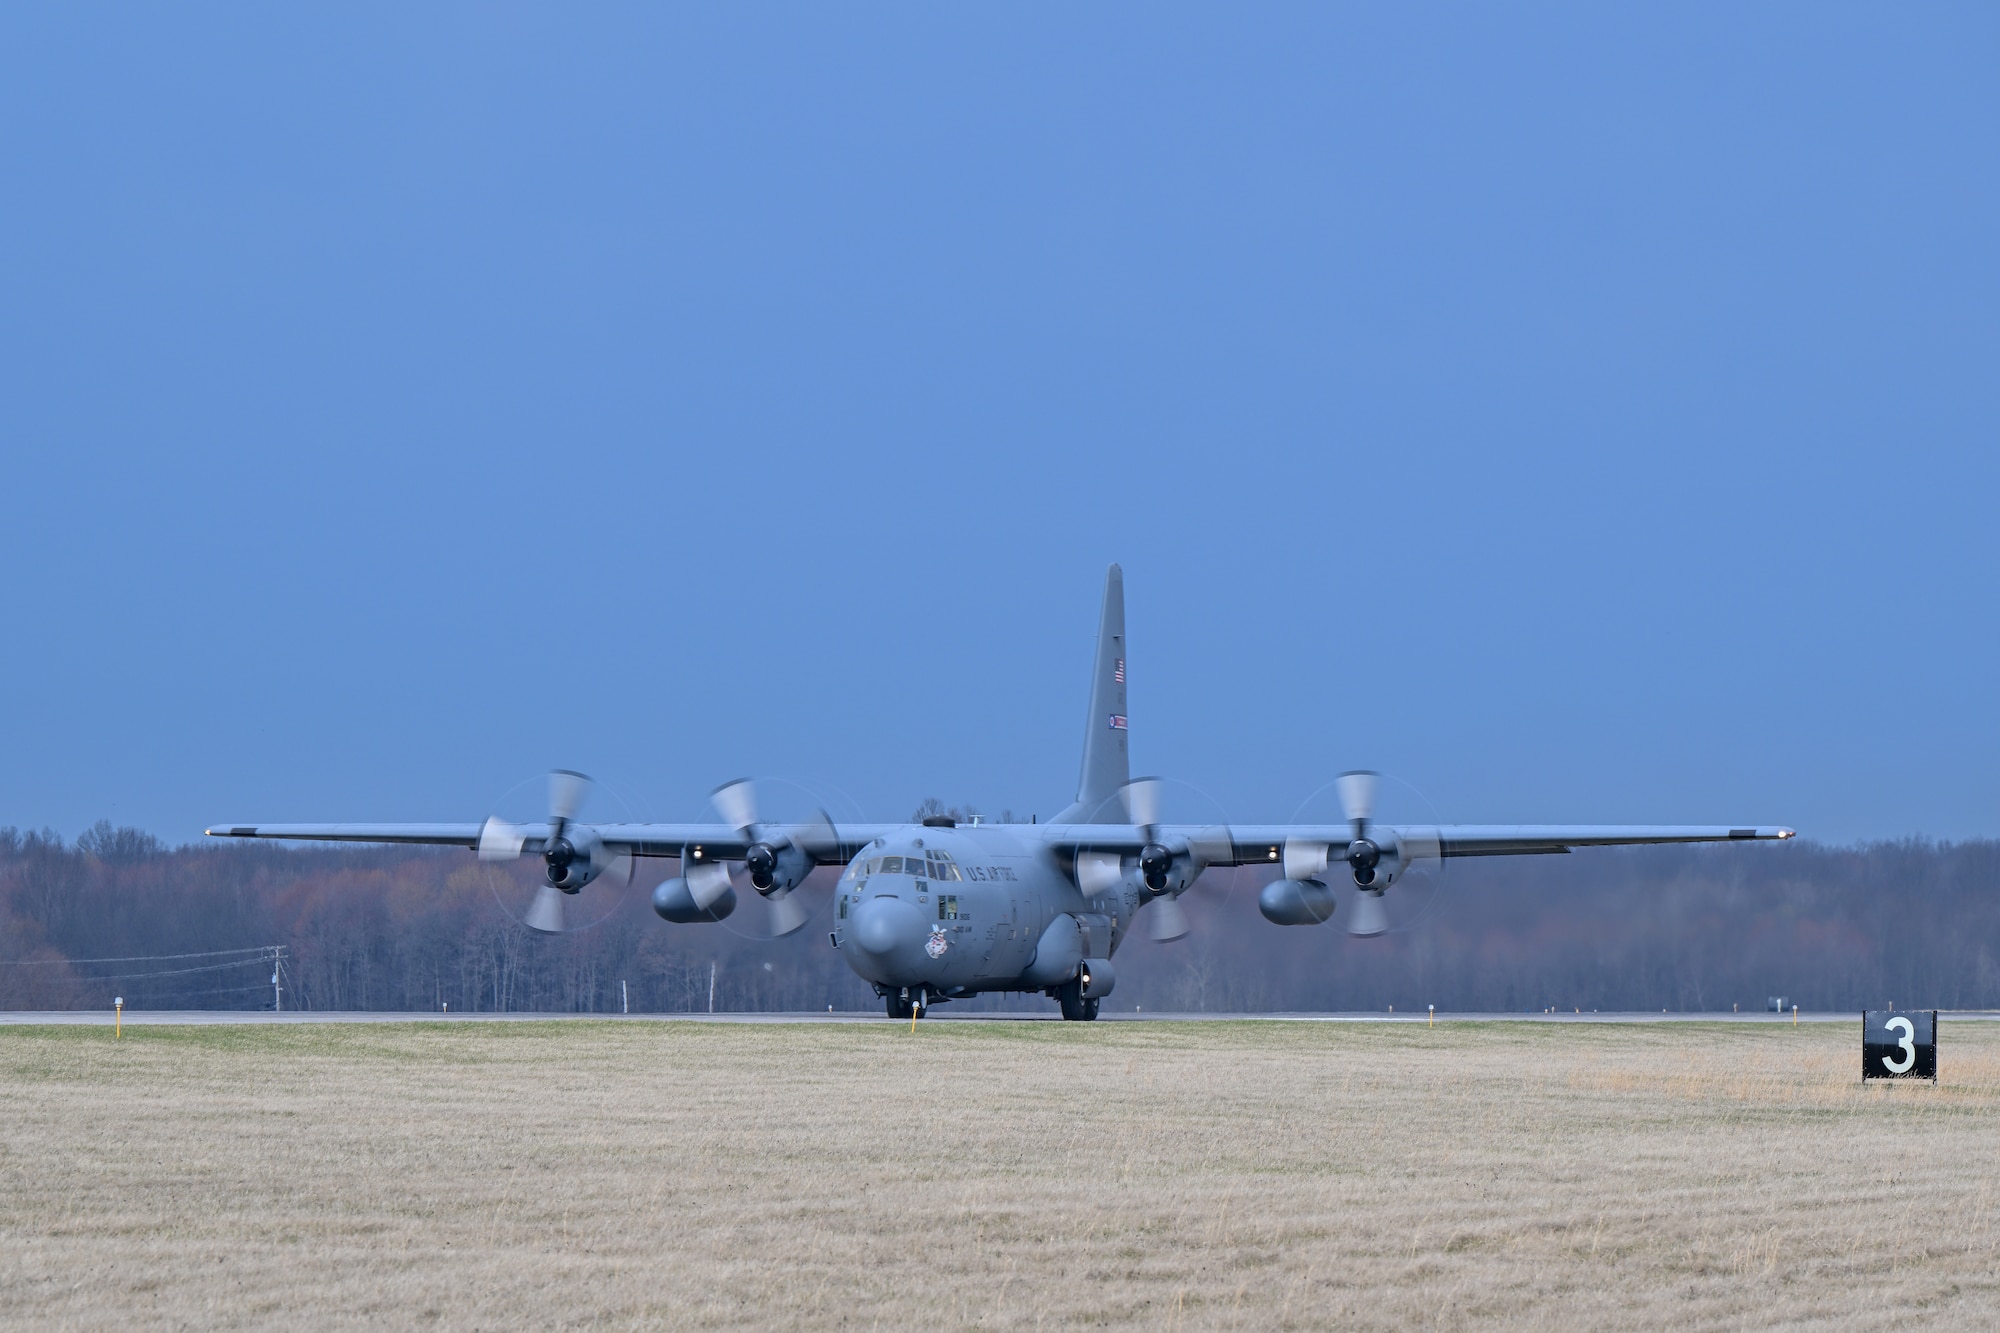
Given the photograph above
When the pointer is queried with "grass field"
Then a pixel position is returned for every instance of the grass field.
(1005, 1174)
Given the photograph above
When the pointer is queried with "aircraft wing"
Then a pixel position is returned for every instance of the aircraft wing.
(1264, 844)
(443, 835)
(720, 842)
(1241, 844)
(1527, 839)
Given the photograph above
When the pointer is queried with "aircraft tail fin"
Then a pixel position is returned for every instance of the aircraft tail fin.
(1106, 765)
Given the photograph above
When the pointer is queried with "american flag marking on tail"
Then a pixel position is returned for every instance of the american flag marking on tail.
(1118, 672)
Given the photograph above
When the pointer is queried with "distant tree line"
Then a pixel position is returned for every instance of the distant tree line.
(1685, 929)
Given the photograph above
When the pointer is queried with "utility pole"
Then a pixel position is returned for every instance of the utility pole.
(711, 985)
(624, 997)
(277, 992)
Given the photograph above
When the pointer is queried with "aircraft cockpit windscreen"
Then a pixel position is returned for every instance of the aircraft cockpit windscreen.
(931, 865)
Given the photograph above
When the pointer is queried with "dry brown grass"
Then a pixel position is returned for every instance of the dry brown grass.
(1241, 1174)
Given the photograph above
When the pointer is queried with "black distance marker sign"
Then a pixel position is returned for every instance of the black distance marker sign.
(1899, 1045)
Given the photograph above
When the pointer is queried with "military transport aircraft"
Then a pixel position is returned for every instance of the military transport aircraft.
(940, 911)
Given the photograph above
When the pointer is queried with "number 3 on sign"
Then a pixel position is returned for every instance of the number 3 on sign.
(1904, 1043)
(1897, 1045)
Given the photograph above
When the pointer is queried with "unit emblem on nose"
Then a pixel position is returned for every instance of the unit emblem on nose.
(937, 943)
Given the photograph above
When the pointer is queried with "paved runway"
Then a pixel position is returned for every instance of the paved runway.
(178, 1017)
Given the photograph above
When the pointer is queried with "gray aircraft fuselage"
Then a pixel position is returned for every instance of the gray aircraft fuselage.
(981, 927)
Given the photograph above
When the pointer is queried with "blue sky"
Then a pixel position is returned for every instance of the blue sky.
(1584, 413)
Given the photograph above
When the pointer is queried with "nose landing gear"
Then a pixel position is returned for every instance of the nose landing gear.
(907, 1003)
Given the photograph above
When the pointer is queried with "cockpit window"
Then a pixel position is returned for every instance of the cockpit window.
(931, 865)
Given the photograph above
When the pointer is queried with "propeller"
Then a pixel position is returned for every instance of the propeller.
(1374, 865)
(1142, 807)
(1357, 792)
(566, 792)
(1369, 917)
(1357, 801)
(707, 882)
(545, 913)
(572, 855)
(1376, 856)
(1142, 801)
(777, 860)
(736, 802)
(1166, 918)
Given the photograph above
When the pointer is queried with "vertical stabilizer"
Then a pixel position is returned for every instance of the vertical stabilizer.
(1106, 767)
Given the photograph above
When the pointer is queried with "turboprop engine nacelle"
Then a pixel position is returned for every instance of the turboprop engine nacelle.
(574, 858)
(1163, 870)
(776, 869)
(1296, 902)
(1156, 871)
(1373, 862)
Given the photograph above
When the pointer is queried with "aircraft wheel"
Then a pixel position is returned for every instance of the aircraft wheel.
(1089, 1011)
(1075, 1008)
(898, 1007)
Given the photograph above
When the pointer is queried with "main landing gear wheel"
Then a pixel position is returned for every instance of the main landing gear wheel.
(1075, 1008)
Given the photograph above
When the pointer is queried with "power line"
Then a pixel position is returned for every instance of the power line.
(214, 990)
(169, 971)
(137, 958)
(274, 952)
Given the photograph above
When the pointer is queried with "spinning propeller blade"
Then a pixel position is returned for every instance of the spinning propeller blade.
(786, 915)
(816, 835)
(546, 912)
(566, 793)
(736, 802)
(500, 841)
(1369, 918)
(1142, 801)
(707, 882)
(1167, 920)
(1357, 797)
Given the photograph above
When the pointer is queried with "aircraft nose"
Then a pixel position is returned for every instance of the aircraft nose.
(881, 926)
